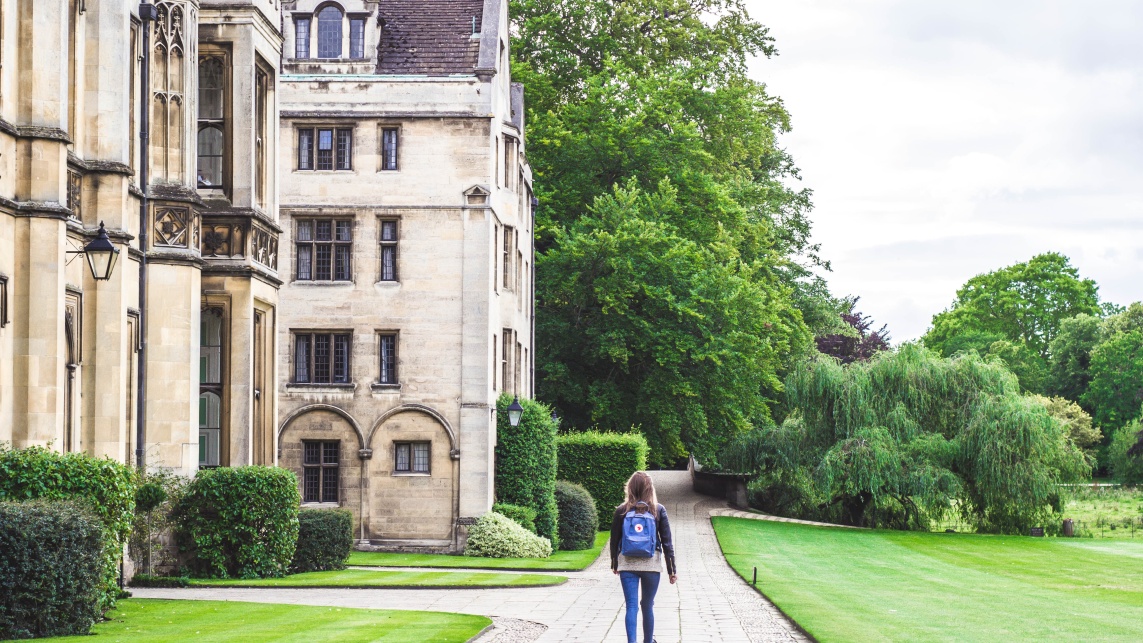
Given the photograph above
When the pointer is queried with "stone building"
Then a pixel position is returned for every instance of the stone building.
(199, 232)
(406, 214)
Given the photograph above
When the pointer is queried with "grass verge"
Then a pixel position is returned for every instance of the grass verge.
(152, 621)
(560, 561)
(353, 578)
(850, 585)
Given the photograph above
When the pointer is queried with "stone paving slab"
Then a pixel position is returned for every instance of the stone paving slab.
(710, 602)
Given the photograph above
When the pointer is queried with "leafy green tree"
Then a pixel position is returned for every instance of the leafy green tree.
(1125, 454)
(1024, 303)
(1116, 389)
(1076, 421)
(1070, 367)
(643, 327)
(1028, 367)
(906, 438)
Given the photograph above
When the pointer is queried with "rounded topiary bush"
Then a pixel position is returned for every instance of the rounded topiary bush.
(51, 569)
(325, 537)
(239, 522)
(497, 536)
(578, 518)
(524, 516)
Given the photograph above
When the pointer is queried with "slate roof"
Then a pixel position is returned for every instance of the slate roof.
(429, 37)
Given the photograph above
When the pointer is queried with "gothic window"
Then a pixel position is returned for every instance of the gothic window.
(389, 148)
(329, 32)
(411, 457)
(388, 350)
(325, 249)
(357, 38)
(388, 251)
(211, 121)
(321, 358)
(302, 38)
(261, 89)
(320, 463)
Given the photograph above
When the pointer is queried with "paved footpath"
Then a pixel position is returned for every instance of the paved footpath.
(710, 603)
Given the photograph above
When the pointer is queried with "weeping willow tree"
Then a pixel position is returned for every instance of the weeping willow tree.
(907, 438)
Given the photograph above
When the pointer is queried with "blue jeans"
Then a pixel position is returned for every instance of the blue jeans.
(630, 581)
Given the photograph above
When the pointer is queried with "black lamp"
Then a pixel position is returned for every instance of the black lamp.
(101, 255)
(515, 411)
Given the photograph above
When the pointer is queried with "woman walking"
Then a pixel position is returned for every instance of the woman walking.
(640, 540)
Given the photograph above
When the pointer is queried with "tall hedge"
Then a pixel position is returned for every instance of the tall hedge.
(325, 538)
(526, 463)
(106, 486)
(51, 569)
(239, 522)
(578, 516)
(601, 463)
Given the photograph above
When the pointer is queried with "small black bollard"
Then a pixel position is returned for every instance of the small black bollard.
(756, 577)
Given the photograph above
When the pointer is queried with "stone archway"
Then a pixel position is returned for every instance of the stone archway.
(319, 443)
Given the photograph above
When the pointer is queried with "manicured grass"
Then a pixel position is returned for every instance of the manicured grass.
(144, 621)
(374, 579)
(859, 585)
(560, 561)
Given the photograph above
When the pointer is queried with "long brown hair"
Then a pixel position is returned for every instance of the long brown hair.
(639, 488)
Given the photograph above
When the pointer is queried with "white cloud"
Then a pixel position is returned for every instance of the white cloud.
(945, 139)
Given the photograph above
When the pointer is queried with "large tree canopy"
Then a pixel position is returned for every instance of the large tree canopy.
(652, 96)
(905, 438)
(1025, 303)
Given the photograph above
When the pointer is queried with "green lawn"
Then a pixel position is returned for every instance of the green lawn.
(560, 561)
(1105, 512)
(142, 621)
(375, 579)
(859, 585)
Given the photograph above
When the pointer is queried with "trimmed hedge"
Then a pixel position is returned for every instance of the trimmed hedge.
(51, 569)
(602, 463)
(325, 537)
(526, 463)
(106, 487)
(239, 522)
(498, 536)
(578, 516)
(523, 516)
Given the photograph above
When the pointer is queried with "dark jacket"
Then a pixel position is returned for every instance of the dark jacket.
(662, 525)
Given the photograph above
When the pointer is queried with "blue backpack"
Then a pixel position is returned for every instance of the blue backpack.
(640, 536)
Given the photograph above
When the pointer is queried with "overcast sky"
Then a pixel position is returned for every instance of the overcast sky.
(945, 139)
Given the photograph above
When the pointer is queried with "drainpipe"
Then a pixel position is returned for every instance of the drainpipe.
(532, 303)
(147, 14)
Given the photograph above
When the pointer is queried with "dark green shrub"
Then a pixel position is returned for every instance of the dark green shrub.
(238, 522)
(1126, 462)
(149, 496)
(106, 486)
(152, 519)
(51, 569)
(524, 516)
(578, 516)
(602, 463)
(147, 580)
(497, 536)
(325, 537)
(526, 463)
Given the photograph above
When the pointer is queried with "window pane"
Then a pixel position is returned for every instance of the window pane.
(323, 262)
(329, 452)
(321, 358)
(341, 263)
(209, 411)
(210, 348)
(324, 230)
(329, 484)
(302, 358)
(402, 457)
(305, 231)
(388, 263)
(305, 265)
(210, 141)
(388, 230)
(341, 358)
(311, 486)
(302, 38)
(389, 149)
(325, 149)
(329, 33)
(344, 231)
(421, 457)
(313, 452)
(210, 88)
(356, 38)
(344, 149)
(388, 359)
(305, 149)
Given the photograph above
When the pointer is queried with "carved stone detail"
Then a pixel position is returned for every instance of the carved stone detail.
(173, 227)
(265, 247)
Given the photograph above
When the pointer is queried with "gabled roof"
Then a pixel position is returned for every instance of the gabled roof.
(429, 37)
